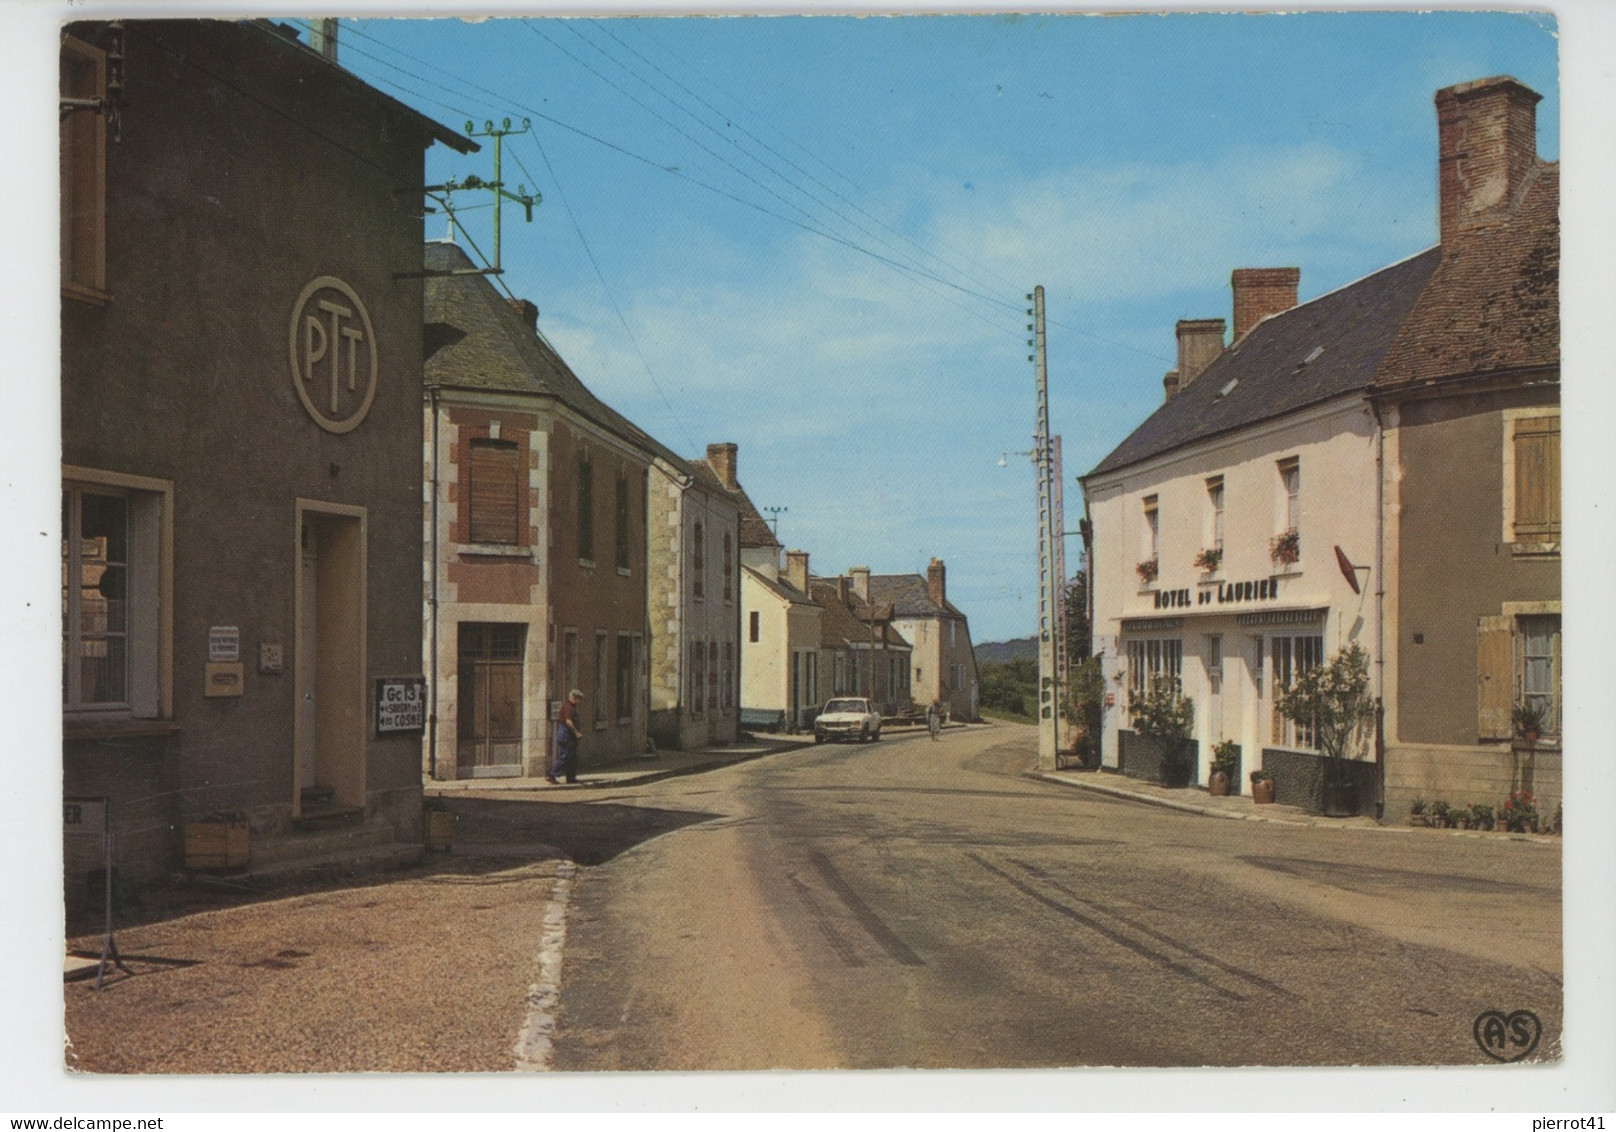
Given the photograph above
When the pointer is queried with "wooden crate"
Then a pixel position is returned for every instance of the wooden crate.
(217, 844)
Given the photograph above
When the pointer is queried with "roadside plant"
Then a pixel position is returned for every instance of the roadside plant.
(1418, 808)
(1085, 702)
(1439, 814)
(1260, 775)
(1209, 559)
(1147, 570)
(1286, 549)
(1481, 816)
(1161, 713)
(1520, 811)
(1226, 757)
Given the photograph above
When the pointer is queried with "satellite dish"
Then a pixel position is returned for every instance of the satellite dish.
(1348, 570)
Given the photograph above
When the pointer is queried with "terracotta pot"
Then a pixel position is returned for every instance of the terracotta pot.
(1218, 784)
(1262, 793)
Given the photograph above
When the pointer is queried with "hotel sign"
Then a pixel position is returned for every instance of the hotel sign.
(332, 347)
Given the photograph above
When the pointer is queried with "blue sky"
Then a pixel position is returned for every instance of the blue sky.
(814, 236)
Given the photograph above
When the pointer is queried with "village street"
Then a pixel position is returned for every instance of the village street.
(900, 903)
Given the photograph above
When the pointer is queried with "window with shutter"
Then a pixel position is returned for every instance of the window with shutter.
(1537, 479)
(83, 169)
(586, 515)
(495, 492)
(622, 523)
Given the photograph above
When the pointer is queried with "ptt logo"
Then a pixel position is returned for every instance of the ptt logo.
(333, 354)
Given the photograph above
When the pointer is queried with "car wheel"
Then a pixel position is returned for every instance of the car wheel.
(864, 735)
(876, 736)
(818, 738)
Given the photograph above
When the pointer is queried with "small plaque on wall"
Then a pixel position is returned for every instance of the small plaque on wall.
(224, 680)
(400, 705)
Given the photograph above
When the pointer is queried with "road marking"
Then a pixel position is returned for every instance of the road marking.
(534, 1051)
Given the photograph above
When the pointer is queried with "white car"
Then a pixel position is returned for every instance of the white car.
(848, 717)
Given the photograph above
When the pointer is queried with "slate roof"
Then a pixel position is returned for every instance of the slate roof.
(1351, 327)
(909, 594)
(474, 339)
(852, 622)
(1494, 303)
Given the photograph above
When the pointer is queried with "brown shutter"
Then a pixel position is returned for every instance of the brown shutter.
(1495, 683)
(493, 493)
(1537, 479)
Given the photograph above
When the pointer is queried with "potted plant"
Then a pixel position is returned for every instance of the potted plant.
(1225, 761)
(1459, 817)
(1481, 816)
(1147, 571)
(1262, 787)
(1286, 548)
(1333, 701)
(1529, 718)
(1165, 716)
(1439, 815)
(1209, 559)
(1520, 812)
(1416, 812)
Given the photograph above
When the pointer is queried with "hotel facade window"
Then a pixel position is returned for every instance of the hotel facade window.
(1214, 501)
(1152, 529)
(1153, 657)
(1290, 483)
(1292, 656)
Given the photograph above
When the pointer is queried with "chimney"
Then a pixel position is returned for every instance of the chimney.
(1200, 341)
(1260, 292)
(797, 570)
(861, 582)
(527, 310)
(1486, 145)
(721, 458)
(842, 588)
(323, 38)
(936, 582)
(1170, 384)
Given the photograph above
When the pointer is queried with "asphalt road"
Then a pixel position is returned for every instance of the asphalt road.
(898, 904)
(917, 904)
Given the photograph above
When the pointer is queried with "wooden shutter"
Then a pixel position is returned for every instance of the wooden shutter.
(1495, 683)
(1537, 479)
(494, 492)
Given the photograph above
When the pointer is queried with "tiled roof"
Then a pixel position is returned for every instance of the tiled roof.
(778, 588)
(475, 339)
(1267, 374)
(1494, 303)
(852, 621)
(909, 594)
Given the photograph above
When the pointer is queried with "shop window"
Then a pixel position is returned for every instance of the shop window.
(1292, 656)
(494, 494)
(112, 604)
(1535, 460)
(83, 168)
(489, 707)
(622, 513)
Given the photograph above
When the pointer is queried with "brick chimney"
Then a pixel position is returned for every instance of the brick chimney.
(1170, 384)
(323, 38)
(843, 587)
(721, 458)
(797, 570)
(1486, 145)
(1260, 292)
(936, 582)
(861, 582)
(1200, 341)
(526, 310)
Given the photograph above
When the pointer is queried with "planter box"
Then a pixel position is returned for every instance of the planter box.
(1299, 780)
(217, 843)
(1139, 757)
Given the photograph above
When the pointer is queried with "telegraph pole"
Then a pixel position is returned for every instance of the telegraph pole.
(1049, 538)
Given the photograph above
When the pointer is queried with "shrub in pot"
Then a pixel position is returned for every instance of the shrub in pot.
(1262, 787)
(1332, 701)
(1166, 717)
(1225, 758)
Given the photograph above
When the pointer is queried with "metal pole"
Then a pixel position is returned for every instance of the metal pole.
(1048, 742)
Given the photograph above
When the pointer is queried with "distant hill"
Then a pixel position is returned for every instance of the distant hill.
(998, 652)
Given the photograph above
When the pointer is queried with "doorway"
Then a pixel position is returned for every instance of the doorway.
(330, 741)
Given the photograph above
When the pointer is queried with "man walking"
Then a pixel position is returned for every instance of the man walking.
(567, 736)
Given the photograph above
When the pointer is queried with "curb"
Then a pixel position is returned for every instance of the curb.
(1171, 804)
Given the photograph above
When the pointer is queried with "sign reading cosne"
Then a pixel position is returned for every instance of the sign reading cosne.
(332, 346)
(400, 705)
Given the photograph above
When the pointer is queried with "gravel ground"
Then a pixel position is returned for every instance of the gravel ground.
(421, 971)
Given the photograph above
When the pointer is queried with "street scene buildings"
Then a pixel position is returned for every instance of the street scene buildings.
(343, 530)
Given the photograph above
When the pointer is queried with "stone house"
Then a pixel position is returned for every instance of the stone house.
(241, 384)
(537, 554)
(942, 661)
(860, 652)
(780, 642)
(1469, 397)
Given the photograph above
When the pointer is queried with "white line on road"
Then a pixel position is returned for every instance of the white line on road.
(533, 1047)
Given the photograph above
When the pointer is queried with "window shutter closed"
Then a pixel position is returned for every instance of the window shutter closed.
(493, 492)
(1495, 667)
(1537, 479)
